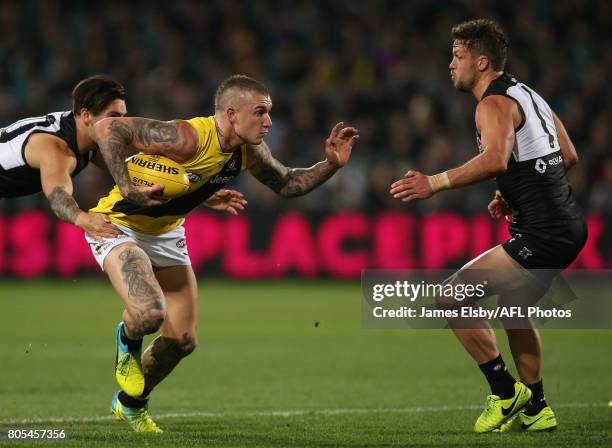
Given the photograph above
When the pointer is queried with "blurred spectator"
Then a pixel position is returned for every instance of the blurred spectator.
(380, 65)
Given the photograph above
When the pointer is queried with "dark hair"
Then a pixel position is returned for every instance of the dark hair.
(241, 82)
(486, 37)
(95, 94)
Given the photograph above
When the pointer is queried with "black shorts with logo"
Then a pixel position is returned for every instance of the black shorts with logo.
(555, 249)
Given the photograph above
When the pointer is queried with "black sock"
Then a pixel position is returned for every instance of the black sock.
(538, 401)
(146, 392)
(132, 402)
(133, 345)
(500, 380)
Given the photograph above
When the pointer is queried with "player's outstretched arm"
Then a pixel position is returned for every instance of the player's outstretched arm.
(292, 182)
(117, 139)
(56, 162)
(495, 122)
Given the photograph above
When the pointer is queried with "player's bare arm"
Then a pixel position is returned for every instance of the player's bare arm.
(568, 151)
(292, 182)
(118, 138)
(495, 121)
(56, 162)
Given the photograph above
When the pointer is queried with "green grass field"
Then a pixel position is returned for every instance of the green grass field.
(265, 375)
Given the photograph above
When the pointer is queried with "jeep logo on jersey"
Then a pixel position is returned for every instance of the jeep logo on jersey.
(193, 177)
(540, 166)
(220, 179)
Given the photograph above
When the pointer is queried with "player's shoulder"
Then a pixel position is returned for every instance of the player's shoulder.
(48, 142)
(48, 150)
(203, 125)
(495, 104)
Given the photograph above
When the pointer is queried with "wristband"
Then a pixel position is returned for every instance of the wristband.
(439, 182)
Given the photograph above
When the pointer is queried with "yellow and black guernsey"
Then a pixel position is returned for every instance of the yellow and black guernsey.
(209, 170)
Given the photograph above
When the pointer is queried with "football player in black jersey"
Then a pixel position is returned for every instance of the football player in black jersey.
(525, 147)
(43, 153)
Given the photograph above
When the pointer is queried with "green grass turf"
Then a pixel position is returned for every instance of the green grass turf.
(260, 352)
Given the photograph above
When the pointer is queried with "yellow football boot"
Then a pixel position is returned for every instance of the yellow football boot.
(498, 411)
(138, 418)
(128, 370)
(544, 420)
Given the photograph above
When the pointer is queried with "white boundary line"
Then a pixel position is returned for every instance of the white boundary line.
(288, 413)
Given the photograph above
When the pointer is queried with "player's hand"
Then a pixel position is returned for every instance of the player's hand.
(339, 144)
(414, 185)
(498, 207)
(230, 201)
(97, 225)
(144, 196)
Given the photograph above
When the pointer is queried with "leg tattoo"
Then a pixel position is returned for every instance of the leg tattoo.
(144, 293)
(162, 356)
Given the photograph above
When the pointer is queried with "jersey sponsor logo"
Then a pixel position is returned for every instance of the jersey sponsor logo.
(221, 179)
(181, 243)
(194, 178)
(540, 166)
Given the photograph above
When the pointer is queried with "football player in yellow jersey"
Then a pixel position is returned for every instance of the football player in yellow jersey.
(148, 264)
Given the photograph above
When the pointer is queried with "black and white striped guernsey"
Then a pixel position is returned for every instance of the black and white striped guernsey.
(17, 178)
(534, 185)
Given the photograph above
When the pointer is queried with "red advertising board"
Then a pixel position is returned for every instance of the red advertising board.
(33, 243)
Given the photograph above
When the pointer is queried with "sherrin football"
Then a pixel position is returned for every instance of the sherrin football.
(147, 170)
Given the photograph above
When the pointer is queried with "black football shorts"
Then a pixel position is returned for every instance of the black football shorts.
(553, 250)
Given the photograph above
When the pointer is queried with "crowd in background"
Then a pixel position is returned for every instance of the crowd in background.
(381, 66)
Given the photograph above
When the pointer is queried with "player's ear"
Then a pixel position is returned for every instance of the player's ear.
(483, 63)
(86, 116)
(231, 114)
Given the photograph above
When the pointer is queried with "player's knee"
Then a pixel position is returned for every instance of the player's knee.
(186, 345)
(151, 320)
(445, 302)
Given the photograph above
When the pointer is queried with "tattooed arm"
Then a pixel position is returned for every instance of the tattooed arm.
(56, 162)
(117, 138)
(292, 182)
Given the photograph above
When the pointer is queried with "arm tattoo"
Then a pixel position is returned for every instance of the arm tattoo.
(115, 149)
(120, 141)
(303, 180)
(285, 181)
(63, 205)
(149, 132)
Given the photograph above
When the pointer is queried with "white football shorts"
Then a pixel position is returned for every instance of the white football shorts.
(167, 249)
